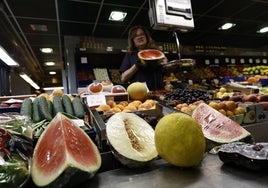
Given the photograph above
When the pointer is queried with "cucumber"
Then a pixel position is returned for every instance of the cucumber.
(57, 104)
(27, 107)
(67, 104)
(43, 108)
(78, 108)
(35, 116)
(50, 107)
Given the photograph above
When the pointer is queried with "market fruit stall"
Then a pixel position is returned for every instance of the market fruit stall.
(208, 171)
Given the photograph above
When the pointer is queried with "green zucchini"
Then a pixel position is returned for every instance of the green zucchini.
(27, 107)
(57, 104)
(35, 116)
(78, 108)
(67, 104)
(43, 107)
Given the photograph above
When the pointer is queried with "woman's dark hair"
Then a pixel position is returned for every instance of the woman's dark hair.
(132, 33)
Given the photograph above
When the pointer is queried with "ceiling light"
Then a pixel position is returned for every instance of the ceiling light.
(227, 26)
(46, 50)
(50, 63)
(29, 80)
(117, 16)
(263, 30)
(52, 73)
(39, 27)
(6, 58)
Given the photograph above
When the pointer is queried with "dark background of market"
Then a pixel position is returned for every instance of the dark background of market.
(72, 23)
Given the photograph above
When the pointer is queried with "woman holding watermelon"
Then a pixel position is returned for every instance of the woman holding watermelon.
(132, 70)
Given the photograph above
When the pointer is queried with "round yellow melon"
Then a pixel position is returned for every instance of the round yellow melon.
(179, 140)
(137, 91)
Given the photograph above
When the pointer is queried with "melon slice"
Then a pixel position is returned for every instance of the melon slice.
(63, 150)
(131, 139)
(218, 127)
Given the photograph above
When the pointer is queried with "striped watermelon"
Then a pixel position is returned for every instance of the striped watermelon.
(217, 127)
(63, 153)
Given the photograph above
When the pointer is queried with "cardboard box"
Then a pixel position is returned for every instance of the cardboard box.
(250, 115)
(261, 114)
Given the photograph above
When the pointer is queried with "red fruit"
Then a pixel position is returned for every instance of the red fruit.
(118, 89)
(95, 87)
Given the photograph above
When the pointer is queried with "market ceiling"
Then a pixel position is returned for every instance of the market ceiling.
(90, 18)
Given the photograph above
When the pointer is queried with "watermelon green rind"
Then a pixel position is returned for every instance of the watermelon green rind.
(63, 145)
(218, 127)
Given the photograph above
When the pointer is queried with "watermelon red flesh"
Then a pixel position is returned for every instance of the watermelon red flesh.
(63, 144)
(150, 54)
(216, 126)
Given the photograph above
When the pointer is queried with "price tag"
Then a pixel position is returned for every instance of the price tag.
(96, 100)
(79, 122)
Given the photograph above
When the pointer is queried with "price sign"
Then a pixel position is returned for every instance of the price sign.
(96, 100)
(79, 122)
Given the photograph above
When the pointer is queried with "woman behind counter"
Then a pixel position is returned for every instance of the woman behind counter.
(131, 69)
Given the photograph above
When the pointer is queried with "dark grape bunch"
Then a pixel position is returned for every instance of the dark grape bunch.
(187, 95)
(151, 120)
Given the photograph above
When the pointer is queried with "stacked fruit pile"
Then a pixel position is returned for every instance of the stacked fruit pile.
(228, 108)
(187, 95)
(222, 93)
(112, 106)
(256, 70)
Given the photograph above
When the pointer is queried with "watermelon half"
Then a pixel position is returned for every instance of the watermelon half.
(150, 56)
(63, 151)
(218, 127)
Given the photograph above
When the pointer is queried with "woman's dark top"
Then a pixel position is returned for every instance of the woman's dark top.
(152, 75)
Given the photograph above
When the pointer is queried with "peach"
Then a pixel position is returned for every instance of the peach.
(230, 105)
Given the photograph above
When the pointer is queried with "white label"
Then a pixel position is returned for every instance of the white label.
(96, 100)
(79, 122)
(83, 60)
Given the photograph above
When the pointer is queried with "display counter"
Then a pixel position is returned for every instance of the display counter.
(160, 174)
(259, 131)
(211, 173)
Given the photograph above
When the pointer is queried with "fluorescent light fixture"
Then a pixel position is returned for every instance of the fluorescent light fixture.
(46, 50)
(117, 16)
(227, 26)
(263, 30)
(39, 27)
(29, 80)
(50, 63)
(52, 88)
(52, 73)
(6, 58)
